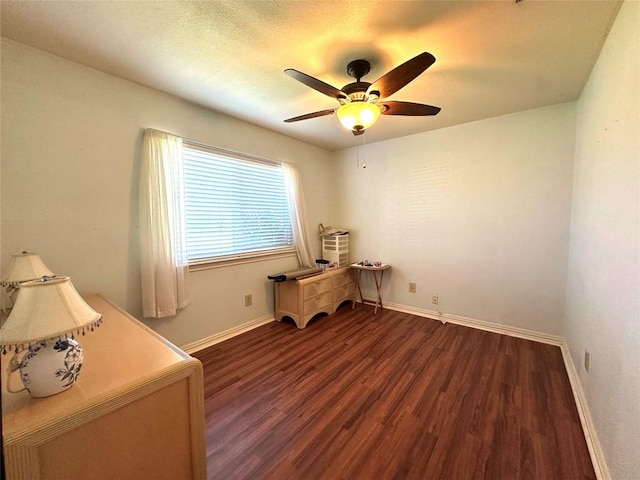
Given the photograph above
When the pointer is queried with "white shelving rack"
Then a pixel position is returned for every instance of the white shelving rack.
(335, 249)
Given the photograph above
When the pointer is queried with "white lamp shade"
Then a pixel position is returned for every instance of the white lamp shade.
(24, 267)
(47, 310)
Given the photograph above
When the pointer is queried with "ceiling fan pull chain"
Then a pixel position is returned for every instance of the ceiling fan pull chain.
(364, 152)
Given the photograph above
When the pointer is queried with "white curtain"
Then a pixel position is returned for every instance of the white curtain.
(164, 262)
(295, 195)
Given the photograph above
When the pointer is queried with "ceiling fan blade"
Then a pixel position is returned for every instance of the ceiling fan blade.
(316, 84)
(409, 109)
(400, 76)
(321, 113)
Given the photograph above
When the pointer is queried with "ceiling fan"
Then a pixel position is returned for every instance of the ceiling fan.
(360, 102)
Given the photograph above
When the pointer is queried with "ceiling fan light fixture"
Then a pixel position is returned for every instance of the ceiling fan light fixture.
(358, 116)
(359, 108)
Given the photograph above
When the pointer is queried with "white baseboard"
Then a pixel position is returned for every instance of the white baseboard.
(595, 451)
(479, 324)
(227, 334)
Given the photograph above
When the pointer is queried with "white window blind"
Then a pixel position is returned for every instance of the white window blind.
(235, 206)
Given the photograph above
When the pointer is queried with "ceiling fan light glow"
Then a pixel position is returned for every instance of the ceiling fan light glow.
(358, 115)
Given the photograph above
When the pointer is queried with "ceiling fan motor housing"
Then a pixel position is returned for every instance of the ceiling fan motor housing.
(357, 91)
(358, 69)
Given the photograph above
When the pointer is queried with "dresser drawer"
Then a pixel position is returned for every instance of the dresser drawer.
(341, 277)
(343, 291)
(316, 287)
(317, 303)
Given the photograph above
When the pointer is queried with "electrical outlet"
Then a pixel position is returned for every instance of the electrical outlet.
(412, 288)
(248, 300)
(435, 299)
(587, 359)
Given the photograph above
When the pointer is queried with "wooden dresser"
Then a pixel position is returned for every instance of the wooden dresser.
(302, 299)
(136, 411)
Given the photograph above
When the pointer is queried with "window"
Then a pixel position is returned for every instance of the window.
(235, 206)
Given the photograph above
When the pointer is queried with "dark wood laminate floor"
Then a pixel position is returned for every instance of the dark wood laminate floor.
(390, 396)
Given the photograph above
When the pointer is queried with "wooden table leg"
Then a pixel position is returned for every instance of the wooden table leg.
(378, 286)
(353, 304)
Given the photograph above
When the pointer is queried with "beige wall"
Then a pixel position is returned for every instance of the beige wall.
(71, 139)
(476, 213)
(603, 289)
(485, 201)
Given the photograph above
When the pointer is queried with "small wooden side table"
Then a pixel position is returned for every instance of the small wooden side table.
(378, 272)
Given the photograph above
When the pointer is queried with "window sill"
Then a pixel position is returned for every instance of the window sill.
(240, 261)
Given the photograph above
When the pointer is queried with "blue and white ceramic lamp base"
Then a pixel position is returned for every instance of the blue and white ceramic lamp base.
(51, 367)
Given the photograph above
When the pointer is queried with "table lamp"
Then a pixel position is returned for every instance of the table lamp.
(23, 267)
(47, 316)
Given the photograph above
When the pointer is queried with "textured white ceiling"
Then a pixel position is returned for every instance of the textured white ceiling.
(493, 57)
